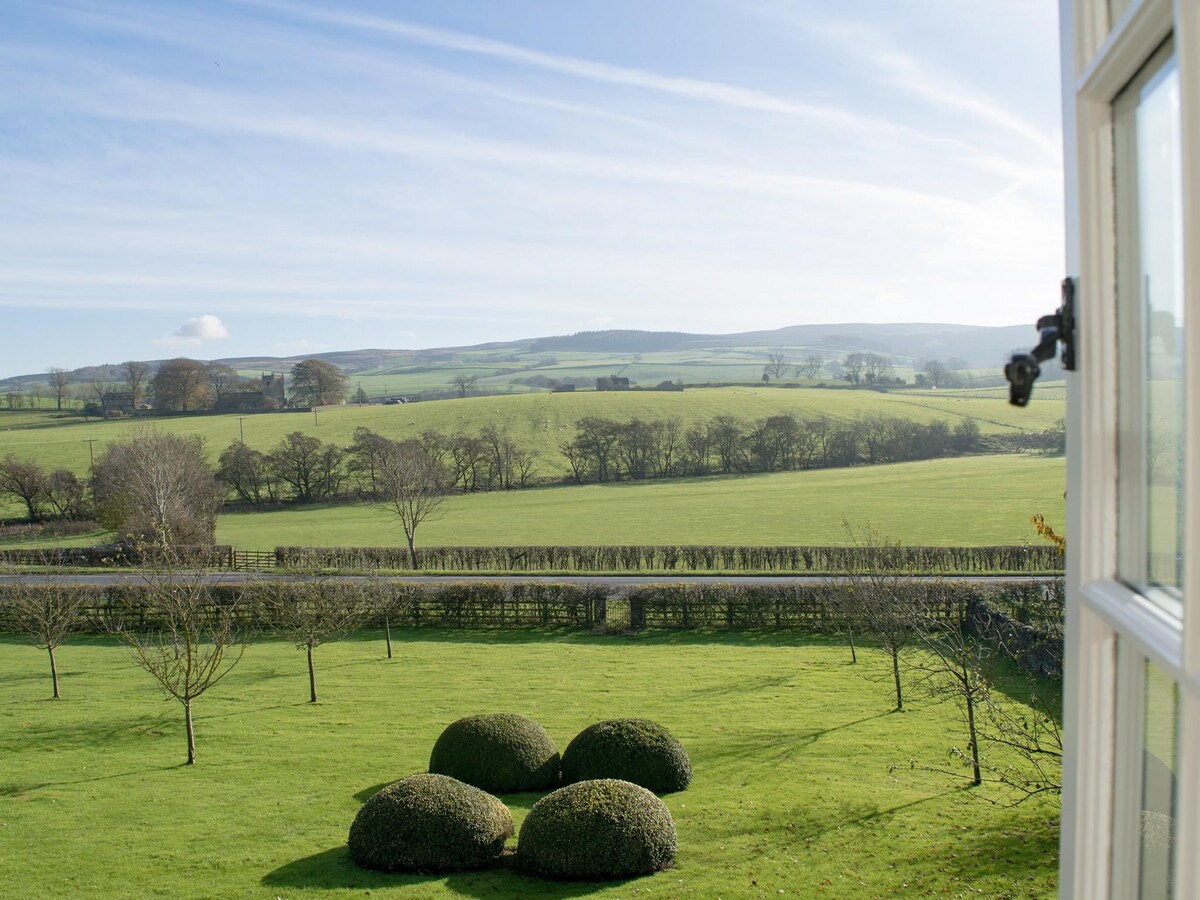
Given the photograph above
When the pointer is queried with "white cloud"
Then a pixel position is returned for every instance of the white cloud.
(194, 332)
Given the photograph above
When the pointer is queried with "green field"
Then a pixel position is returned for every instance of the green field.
(794, 795)
(540, 421)
(966, 501)
(972, 501)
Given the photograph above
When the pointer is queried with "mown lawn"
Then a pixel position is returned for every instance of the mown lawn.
(795, 793)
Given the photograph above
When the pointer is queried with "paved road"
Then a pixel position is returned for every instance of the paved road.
(613, 581)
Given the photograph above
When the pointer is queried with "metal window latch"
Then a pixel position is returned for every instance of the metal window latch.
(1024, 368)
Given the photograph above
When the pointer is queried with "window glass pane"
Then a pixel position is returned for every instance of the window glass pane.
(1151, 316)
(1159, 765)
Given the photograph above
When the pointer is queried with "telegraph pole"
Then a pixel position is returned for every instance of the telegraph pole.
(241, 430)
(91, 455)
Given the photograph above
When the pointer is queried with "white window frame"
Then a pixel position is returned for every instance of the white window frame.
(1103, 696)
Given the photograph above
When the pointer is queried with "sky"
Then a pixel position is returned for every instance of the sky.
(280, 177)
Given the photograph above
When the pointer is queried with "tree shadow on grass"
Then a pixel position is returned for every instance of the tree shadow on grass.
(452, 634)
(773, 745)
(332, 868)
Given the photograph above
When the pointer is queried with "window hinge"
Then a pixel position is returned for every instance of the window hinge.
(1024, 368)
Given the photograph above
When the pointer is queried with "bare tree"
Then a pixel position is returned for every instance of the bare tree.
(181, 385)
(136, 375)
(189, 640)
(876, 367)
(810, 367)
(48, 614)
(222, 380)
(312, 468)
(935, 372)
(310, 613)
(157, 484)
(25, 481)
(463, 383)
(854, 363)
(413, 487)
(777, 365)
(60, 383)
(883, 599)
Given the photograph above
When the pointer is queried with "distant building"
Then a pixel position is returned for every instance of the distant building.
(269, 395)
(117, 403)
(565, 388)
(612, 383)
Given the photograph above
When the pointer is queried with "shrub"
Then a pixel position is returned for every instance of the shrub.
(498, 752)
(597, 830)
(429, 823)
(636, 750)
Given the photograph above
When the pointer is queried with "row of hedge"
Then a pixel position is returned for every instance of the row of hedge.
(685, 558)
(807, 607)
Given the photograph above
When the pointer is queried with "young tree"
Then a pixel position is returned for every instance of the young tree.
(318, 383)
(60, 383)
(189, 641)
(935, 372)
(360, 396)
(310, 613)
(413, 487)
(158, 486)
(952, 666)
(884, 600)
(48, 614)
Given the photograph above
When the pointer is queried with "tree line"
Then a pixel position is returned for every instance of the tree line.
(604, 449)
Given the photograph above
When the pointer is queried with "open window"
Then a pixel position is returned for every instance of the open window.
(1131, 801)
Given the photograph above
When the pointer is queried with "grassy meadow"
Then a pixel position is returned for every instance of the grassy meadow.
(794, 794)
(964, 501)
(540, 421)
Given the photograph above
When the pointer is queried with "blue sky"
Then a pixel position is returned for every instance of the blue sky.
(243, 177)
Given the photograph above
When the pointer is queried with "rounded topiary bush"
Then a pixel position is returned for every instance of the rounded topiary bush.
(429, 823)
(595, 830)
(499, 752)
(636, 750)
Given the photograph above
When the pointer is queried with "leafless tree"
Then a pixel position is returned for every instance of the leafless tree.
(883, 599)
(777, 365)
(181, 385)
(136, 375)
(312, 613)
(25, 481)
(98, 390)
(854, 363)
(413, 487)
(60, 383)
(157, 484)
(35, 396)
(463, 383)
(876, 367)
(935, 372)
(48, 614)
(312, 468)
(810, 367)
(189, 640)
(13, 399)
(222, 380)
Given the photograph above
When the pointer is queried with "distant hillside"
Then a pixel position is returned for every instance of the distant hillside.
(650, 356)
